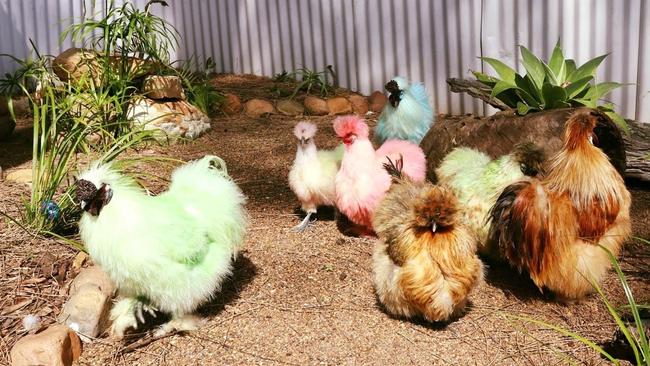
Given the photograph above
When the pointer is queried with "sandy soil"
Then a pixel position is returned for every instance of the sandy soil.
(307, 298)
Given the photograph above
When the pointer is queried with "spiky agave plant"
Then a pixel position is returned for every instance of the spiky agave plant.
(558, 83)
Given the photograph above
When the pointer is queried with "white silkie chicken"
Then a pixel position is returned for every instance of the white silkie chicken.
(166, 253)
(407, 115)
(313, 174)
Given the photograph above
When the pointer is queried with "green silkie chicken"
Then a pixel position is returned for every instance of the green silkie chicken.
(477, 181)
(166, 253)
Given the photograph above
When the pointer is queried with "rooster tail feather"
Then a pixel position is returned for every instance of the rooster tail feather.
(519, 226)
(394, 169)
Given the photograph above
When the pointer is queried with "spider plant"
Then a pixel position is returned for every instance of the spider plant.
(58, 135)
(127, 31)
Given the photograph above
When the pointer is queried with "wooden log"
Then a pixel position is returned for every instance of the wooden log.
(636, 145)
(496, 135)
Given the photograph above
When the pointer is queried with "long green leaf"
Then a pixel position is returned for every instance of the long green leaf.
(500, 87)
(643, 340)
(601, 89)
(578, 86)
(556, 62)
(528, 92)
(550, 76)
(587, 69)
(505, 72)
(553, 96)
(570, 67)
(533, 66)
(567, 333)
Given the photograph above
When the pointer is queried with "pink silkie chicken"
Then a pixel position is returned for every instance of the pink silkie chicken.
(362, 181)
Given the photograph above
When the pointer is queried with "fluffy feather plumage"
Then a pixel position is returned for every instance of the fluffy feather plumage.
(313, 174)
(477, 181)
(362, 182)
(425, 262)
(174, 249)
(408, 114)
(552, 227)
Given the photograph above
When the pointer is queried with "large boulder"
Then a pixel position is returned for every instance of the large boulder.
(58, 345)
(171, 120)
(163, 87)
(76, 65)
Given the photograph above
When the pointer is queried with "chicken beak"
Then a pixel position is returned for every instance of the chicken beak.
(302, 141)
(434, 227)
(83, 205)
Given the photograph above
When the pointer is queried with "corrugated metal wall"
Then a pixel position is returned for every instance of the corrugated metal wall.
(370, 41)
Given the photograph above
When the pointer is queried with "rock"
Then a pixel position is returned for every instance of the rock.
(231, 104)
(339, 105)
(377, 100)
(95, 276)
(7, 127)
(19, 104)
(170, 120)
(163, 87)
(22, 175)
(87, 309)
(58, 345)
(316, 106)
(82, 65)
(258, 107)
(76, 64)
(359, 104)
(79, 261)
(93, 139)
(290, 107)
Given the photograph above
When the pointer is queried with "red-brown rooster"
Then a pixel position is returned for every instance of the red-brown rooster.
(553, 228)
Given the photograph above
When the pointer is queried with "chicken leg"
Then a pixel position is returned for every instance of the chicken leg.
(305, 222)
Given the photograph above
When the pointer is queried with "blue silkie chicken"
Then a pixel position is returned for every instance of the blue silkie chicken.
(407, 115)
(166, 253)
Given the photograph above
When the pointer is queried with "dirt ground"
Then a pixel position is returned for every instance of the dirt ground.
(307, 298)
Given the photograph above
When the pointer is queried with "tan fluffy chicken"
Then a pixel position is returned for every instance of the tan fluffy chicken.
(425, 261)
(552, 227)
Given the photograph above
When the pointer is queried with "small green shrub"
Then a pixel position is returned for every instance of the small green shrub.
(558, 83)
(200, 91)
(310, 80)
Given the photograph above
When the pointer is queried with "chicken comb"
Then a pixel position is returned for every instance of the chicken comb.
(346, 125)
(305, 130)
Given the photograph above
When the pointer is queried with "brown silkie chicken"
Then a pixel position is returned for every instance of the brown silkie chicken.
(552, 227)
(425, 261)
